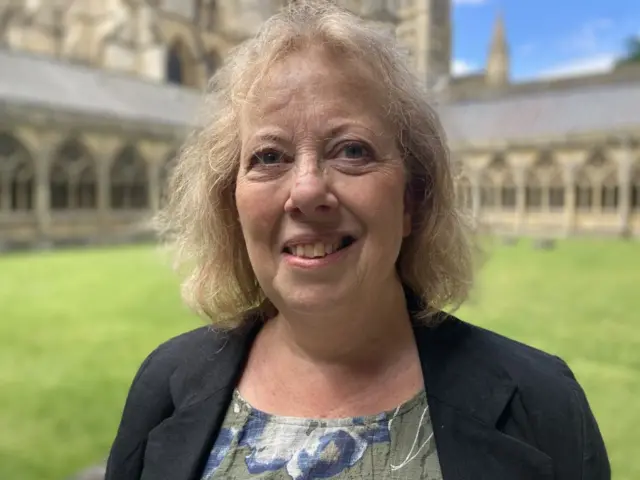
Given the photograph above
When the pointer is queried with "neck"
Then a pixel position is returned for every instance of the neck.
(363, 335)
(355, 361)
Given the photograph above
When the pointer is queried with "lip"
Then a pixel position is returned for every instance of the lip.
(334, 237)
(313, 263)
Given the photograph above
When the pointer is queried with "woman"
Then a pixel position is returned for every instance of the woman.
(315, 213)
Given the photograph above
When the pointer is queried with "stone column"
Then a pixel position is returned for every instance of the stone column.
(104, 161)
(519, 175)
(571, 161)
(623, 156)
(43, 195)
(103, 150)
(155, 155)
(569, 174)
(475, 164)
(520, 161)
(43, 144)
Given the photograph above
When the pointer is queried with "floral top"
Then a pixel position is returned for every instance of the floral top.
(394, 445)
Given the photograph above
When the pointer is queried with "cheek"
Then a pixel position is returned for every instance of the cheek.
(382, 207)
(255, 213)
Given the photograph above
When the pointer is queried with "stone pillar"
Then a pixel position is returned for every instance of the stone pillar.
(623, 156)
(43, 144)
(520, 161)
(103, 149)
(475, 164)
(571, 161)
(43, 194)
(104, 160)
(569, 175)
(155, 155)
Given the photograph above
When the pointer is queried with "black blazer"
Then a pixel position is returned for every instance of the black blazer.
(500, 410)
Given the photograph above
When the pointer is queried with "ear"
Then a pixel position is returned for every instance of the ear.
(406, 215)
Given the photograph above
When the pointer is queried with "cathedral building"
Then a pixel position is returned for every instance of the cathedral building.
(96, 97)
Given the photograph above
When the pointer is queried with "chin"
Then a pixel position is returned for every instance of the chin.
(315, 299)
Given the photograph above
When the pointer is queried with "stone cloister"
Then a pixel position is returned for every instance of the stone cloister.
(561, 190)
(75, 186)
(78, 187)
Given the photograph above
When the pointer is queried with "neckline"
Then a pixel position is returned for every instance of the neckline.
(240, 404)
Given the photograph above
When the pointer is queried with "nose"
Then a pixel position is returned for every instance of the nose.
(310, 193)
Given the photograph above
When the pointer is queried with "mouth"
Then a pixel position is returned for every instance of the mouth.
(318, 249)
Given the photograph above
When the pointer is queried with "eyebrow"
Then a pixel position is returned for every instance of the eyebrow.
(340, 126)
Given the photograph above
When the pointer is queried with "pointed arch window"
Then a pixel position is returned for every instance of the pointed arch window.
(175, 67)
(74, 182)
(498, 189)
(129, 181)
(584, 192)
(17, 176)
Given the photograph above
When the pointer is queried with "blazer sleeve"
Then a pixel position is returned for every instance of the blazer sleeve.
(148, 403)
(577, 435)
(594, 459)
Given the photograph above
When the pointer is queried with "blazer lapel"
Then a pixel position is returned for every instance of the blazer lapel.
(467, 396)
(178, 448)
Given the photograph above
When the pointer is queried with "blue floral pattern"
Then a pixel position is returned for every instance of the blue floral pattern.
(254, 444)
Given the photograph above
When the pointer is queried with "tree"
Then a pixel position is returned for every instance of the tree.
(632, 55)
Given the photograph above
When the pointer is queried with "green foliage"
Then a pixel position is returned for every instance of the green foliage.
(76, 325)
(632, 55)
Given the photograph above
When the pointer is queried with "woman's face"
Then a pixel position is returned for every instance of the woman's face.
(321, 186)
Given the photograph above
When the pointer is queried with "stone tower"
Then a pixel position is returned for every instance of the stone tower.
(425, 29)
(37, 25)
(498, 62)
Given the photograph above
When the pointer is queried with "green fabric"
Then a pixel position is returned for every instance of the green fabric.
(394, 445)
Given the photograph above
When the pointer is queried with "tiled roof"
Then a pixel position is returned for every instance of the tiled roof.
(47, 83)
(31, 80)
(546, 114)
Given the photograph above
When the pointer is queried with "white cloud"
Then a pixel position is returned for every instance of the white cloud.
(589, 37)
(581, 66)
(462, 67)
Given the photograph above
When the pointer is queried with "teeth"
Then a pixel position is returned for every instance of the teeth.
(314, 250)
(308, 251)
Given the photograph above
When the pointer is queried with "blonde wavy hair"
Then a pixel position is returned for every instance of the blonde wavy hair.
(199, 220)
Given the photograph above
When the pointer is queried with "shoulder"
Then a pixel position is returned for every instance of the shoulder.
(186, 347)
(176, 368)
(487, 353)
(548, 408)
(545, 381)
(174, 372)
(178, 372)
(526, 365)
(150, 397)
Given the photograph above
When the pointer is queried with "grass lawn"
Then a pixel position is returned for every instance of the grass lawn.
(75, 325)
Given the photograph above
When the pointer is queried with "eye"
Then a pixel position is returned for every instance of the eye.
(354, 151)
(267, 157)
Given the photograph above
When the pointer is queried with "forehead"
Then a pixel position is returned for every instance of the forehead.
(318, 84)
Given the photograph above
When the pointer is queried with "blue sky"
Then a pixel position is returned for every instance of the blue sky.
(547, 37)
